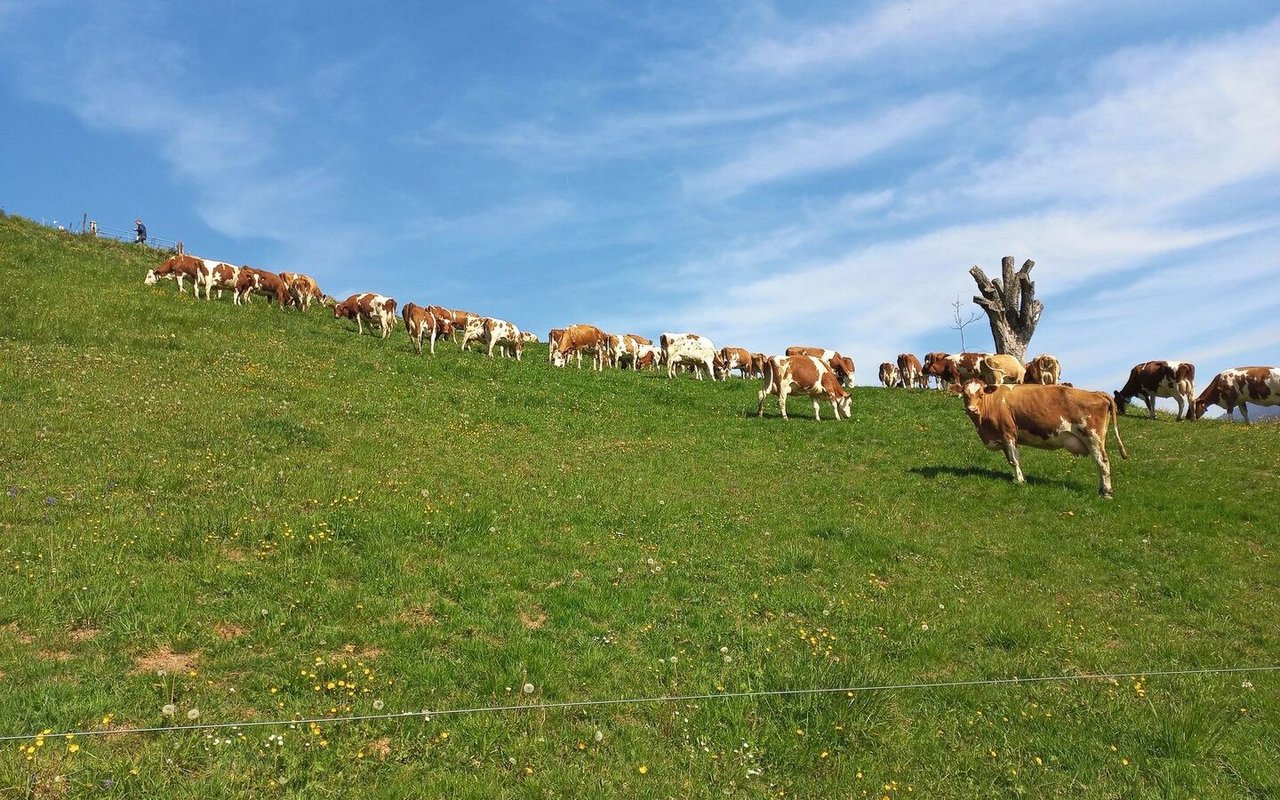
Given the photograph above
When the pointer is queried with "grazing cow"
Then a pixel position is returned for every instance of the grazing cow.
(1047, 417)
(1232, 388)
(953, 369)
(458, 320)
(841, 365)
(259, 281)
(505, 336)
(737, 358)
(368, 307)
(529, 337)
(419, 322)
(553, 336)
(179, 268)
(216, 275)
(1001, 368)
(757, 364)
(648, 356)
(444, 323)
(619, 348)
(690, 349)
(784, 375)
(576, 340)
(639, 340)
(473, 331)
(911, 372)
(303, 289)
(1152, 379)
(889, 375)
(1045, 370)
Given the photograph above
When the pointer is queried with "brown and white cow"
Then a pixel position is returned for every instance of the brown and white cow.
(553, 336)
(953, 368)
(889, 375)
(786, 375)
(178, 268)
(503, 335)
(1152, 379)
(841, 365)
(259, 281)
(1001, 368)
(458, 320)
(1043, 369)
(1047, 417)
(529, 337)
(444, 322)
(757, 364)
(648, 356)
(732, 358)
(368, 307)
(1233, 388)
(303, 289)
(911, 371)
(216, 275)
(576, 340)
(473, 331)
(691, 349)
(620, 350)
(420, 323)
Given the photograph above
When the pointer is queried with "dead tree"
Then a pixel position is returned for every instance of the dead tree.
(1011, 306)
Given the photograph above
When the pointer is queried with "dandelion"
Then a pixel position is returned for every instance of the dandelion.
(528, 688)
(643, 769)
(377, 705)
(169, 709)
(599, 737)
(724, 651)
(193, 714)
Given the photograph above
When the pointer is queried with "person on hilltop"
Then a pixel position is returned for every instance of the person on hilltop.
(141, 231)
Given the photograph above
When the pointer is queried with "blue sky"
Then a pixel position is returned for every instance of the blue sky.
(764, 173)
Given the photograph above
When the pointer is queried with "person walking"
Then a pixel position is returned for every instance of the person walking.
(141, 231)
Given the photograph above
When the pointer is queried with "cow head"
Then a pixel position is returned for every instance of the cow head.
(151, 278)
(1198, 409)
(1122, 402)
(557, 358)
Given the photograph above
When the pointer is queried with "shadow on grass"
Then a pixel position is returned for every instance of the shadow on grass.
(932, 472)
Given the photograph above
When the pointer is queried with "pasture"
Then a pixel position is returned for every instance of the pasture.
(250, 514)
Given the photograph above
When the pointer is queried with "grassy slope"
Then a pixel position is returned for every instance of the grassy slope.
(270, 497)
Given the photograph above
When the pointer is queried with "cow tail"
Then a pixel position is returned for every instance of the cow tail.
(1115, 426)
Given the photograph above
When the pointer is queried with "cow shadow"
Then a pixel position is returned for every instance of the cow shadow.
(932, 472)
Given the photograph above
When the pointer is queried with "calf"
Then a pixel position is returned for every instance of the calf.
(688, 348)
(1233, 388)
(809, 375)
(648, 356)
(889, 375)
(1152, 379)
(368, 307)
(1047, 417)
(1043, 369)
(911, 372)
(175, 268)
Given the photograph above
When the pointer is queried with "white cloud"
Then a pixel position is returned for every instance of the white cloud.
(917, 31)
(798, 150)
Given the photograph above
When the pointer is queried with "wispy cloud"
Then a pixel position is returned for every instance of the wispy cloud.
(802, 149)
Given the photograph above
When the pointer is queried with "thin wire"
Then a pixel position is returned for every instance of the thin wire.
(426, 714)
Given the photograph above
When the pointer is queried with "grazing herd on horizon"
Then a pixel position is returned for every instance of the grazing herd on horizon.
(1009, 403)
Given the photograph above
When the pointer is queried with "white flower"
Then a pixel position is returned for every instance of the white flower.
(377, 705)
(193, 714)
(528, 688)
(724, 651)
(169, 709)
(599, 737)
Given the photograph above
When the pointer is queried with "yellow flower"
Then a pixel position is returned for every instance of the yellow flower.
(643, 769)
(73, 747)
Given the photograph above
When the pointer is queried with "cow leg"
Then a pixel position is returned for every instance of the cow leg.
(1150, 400)
(1244, 412)
(817, 416)
(1098, 449)
(782, 399)
(1178, 397)
(1011, 455)
(760, 396)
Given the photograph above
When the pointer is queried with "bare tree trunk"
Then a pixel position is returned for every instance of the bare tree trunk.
(1011, 306)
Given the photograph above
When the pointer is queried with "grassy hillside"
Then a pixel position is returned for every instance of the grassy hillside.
(255, 515)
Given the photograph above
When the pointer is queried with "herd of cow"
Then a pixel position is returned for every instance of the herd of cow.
(1010, 403)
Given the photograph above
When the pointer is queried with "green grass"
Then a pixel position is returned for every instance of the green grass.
(262, 503)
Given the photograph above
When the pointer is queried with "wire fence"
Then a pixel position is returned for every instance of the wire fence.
(91, 227)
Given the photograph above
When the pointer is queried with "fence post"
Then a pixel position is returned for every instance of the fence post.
(180, 248)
